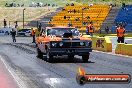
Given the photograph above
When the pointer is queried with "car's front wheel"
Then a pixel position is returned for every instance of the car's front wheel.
(39, 53)
(85, 58)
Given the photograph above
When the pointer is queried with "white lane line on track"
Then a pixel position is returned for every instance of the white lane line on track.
(20, 83)
(110, 53)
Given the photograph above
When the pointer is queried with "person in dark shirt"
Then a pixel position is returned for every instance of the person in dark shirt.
(16, 24)
(39, 27)
(42, 31)
(107, 30)
(13, 33)
(5, 24)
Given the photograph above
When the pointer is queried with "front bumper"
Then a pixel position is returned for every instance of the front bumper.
(70, 51)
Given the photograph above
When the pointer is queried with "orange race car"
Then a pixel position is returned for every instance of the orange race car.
(58, 41)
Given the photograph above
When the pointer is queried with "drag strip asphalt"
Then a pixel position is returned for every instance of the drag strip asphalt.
(37, 73)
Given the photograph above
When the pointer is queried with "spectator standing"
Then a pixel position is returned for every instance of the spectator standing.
(107, 30)
(33, 34)
(90, 29)
(13, 33)
(120, 34)
(16, 24)
(5, 23)
(39, 27)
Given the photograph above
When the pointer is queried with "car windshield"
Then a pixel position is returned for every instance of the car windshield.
(61, 31)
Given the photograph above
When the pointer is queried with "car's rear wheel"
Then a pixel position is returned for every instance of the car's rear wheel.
(39, 53)
(49, 57)
(85, 58)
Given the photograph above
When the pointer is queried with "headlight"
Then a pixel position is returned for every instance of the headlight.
(87, 43)
(61, 43)
(82, 43)
(54, 44)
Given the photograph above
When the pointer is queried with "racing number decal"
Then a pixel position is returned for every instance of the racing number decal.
(100, 43)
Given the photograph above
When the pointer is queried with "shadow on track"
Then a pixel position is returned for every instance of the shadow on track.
(65, 59)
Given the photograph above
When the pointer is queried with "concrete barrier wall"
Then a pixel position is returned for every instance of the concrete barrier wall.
(118, 48)
(102, 44)
(124, 49)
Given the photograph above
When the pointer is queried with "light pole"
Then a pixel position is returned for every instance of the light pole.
(23, 16)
